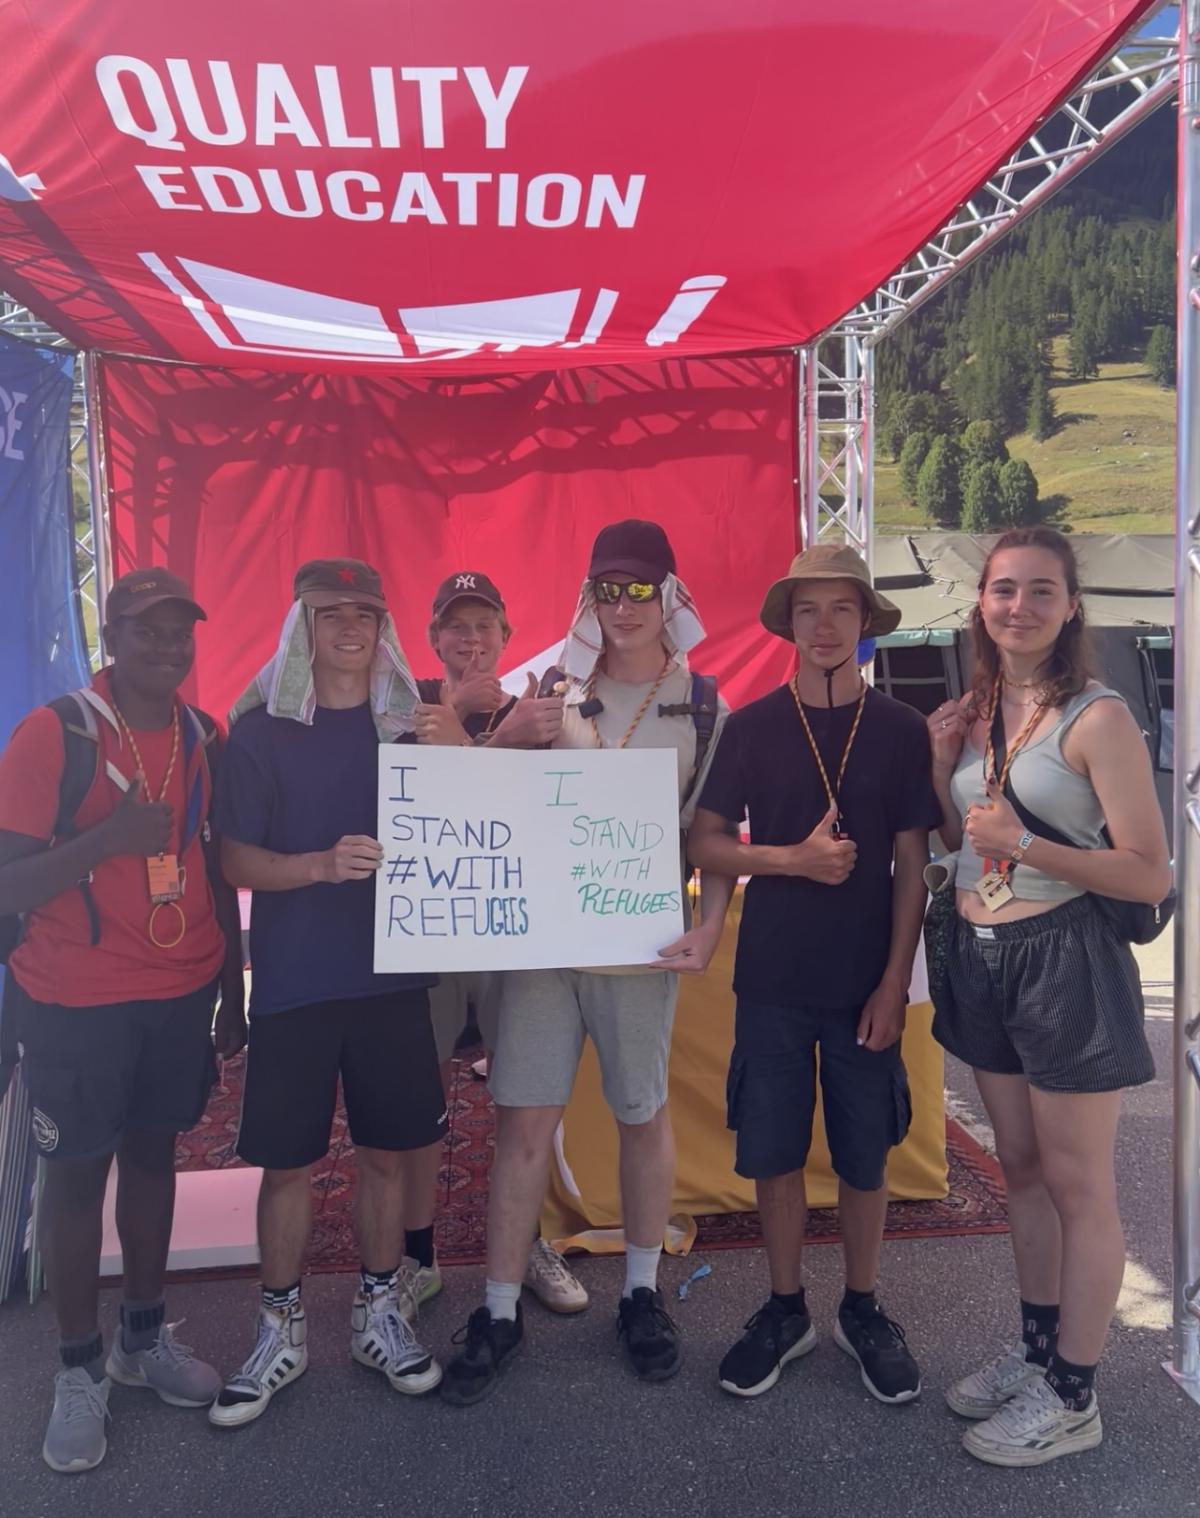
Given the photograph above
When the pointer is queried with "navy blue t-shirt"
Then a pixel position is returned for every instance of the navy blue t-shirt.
(296, 790)
(802, 943)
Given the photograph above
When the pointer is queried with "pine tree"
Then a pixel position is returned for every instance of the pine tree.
(1018, 493)
(981, 443)
(939, 493)
(1040, 419)
(981, 495)
(1082, 348)
(912, 456)
(1160, 355)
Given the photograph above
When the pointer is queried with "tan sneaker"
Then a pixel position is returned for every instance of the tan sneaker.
(551, 1282)
(416, 1285)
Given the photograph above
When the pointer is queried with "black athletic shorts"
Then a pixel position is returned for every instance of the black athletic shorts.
(771, 1097)
(382, 1047)
(1056, 998)
(93, 1072)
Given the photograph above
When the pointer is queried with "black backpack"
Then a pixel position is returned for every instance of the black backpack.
(81, 751)
(702, 709)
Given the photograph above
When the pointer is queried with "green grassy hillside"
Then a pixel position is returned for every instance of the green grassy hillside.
(1110, 466)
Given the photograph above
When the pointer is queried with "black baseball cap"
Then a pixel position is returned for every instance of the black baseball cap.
(470, 585)
(141, 589)
(632, 547)
(338, 582)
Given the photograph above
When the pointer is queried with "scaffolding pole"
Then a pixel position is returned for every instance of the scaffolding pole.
(1184, 1367)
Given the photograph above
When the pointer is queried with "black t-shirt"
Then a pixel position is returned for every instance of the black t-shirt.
(476, 724)
(803, 943)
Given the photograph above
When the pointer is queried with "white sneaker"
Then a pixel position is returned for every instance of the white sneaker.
(418, 1284)
(381, 1339)
(168, 1368)
(279, 1357)
(1035, 1426)
(76, 1437)
(986, 1390)
(551, 1282)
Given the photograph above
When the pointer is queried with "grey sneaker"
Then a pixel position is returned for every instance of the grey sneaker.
(168, 1368)
(75, 1437)
(986, 1390)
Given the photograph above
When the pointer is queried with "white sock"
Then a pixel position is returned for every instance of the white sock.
(641, 1268)
(501, 1299)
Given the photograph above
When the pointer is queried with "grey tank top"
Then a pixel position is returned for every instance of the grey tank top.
(1049, 788)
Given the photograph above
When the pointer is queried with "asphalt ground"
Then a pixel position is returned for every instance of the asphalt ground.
(570, 1431)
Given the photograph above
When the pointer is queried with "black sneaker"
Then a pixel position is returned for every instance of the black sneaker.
(651, 1338)
(487, 1343)
(889, 1371)
(773, 1337)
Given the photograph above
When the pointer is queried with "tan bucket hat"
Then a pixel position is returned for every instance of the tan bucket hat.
(827, 561)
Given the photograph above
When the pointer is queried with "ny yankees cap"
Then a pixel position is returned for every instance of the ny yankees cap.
(338, 582)
(470, 585)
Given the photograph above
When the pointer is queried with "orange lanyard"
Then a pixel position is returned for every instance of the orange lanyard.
(638, 715)
(1004, 866)
(830, 792)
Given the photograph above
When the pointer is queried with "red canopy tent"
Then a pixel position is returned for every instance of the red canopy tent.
(390, 233)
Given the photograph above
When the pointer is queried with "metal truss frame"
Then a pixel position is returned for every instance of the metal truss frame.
(837, 401)
(90, 550)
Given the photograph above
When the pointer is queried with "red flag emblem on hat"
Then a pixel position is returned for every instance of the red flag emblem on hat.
(346, 576)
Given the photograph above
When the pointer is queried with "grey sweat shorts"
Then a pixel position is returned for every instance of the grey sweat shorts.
(450, 1000)
(545, 1015)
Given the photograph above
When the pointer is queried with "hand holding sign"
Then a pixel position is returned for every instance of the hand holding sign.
(823, 856)
(351, 858)
(534, 721)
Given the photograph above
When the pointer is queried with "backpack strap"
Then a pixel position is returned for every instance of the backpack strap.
(702, 709)
(81, 755)
(199, 734)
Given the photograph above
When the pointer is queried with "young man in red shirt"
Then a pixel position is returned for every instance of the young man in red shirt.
(126, 942)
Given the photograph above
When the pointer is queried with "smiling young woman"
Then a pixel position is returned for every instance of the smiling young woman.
(1041, 998)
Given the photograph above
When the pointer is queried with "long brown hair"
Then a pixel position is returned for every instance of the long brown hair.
(1069, 667)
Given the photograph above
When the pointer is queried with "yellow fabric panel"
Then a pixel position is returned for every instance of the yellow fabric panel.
(704, 1176)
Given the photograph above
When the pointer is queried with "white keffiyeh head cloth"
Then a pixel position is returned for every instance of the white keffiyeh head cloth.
(643, 550)
(285, 684)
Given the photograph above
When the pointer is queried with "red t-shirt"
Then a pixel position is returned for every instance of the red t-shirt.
(56, 960)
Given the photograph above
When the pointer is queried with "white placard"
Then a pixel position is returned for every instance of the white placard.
(503, 859)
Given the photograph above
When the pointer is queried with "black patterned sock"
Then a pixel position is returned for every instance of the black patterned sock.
(87, 1352)
(1039, 1329)
(418, 1245)
(283, 1299)
(140, 1322)
(372, 1281)
(792, 1302)
(1073, 1383)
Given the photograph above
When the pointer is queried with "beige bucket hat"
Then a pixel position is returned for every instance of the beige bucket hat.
(827, 561)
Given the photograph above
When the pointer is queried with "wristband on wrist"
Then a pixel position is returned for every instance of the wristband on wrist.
(1023, 843)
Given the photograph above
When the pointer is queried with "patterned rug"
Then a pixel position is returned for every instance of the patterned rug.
(973, 1204)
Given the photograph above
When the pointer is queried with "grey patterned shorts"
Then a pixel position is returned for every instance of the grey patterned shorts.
(1056, 998)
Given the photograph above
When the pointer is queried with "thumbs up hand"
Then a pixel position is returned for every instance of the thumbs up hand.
(823, 856)
(534, 722)
(438, 723)
(137, 826)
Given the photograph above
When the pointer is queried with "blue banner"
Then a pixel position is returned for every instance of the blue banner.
(40, 628)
